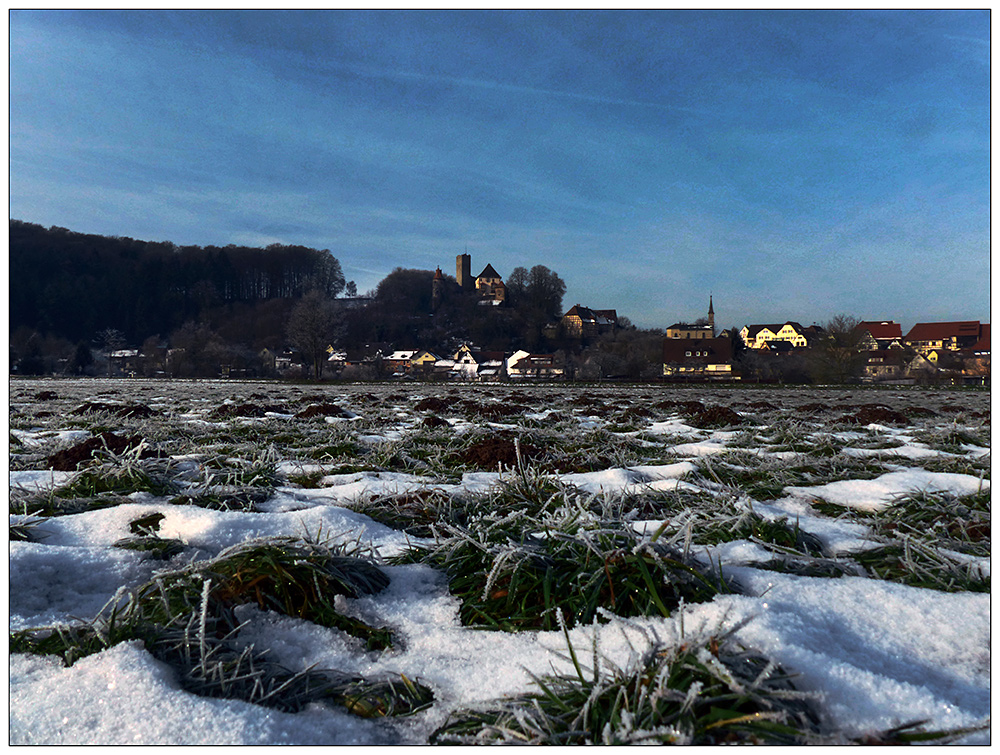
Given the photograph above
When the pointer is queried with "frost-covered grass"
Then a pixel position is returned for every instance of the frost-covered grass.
(375, 564)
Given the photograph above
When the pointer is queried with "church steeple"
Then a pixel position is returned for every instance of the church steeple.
(711, 315)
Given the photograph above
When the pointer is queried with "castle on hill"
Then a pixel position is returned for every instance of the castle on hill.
(488, 286)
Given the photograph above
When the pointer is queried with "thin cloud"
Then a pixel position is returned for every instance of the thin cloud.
(485, 84)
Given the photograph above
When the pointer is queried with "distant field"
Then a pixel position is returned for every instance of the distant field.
(764, 565)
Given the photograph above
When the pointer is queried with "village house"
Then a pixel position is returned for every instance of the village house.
(919, 366)
(471, 364)
(583, 322)
(755, 336)
(271, 361)
(370, 356)
(337, 359)
(698, 359)
(126, 362)
(883, 364)
(925, 337)
(444, 369)
(884, 334)
(423, 363)
(397, 362)
(522, 365)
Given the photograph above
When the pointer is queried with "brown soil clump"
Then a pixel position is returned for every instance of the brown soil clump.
(69, 459)
(435, 421)
(434, 404)
(119, 410)
(870, 414)
(496, 411)
(323, 410)
(246, 410)
(714, 416)
(494, 450)
(685, 407)
(46, 395)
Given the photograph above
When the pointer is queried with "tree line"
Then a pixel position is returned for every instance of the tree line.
(74, 285)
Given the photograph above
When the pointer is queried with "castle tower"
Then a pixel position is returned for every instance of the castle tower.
(437, 290)
(463, 272)
(711, 315)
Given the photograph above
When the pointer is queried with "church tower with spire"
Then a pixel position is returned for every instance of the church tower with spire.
(711, 315)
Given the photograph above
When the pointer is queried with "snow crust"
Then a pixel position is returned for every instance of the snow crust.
(872, 495)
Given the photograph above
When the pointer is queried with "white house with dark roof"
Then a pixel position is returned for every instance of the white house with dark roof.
(755, 336)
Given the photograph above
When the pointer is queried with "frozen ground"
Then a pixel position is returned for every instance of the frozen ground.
(876, 653)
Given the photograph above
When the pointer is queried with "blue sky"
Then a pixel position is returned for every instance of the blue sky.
(795, 165)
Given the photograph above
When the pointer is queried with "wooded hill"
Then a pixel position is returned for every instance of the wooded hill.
(73, 285)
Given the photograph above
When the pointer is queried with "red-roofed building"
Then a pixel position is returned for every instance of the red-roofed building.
(883, 334)
(928, 336)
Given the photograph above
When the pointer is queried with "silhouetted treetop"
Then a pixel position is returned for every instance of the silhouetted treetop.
(77, 284)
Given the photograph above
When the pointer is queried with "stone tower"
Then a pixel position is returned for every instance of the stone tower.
(711, 315)
(463, 272)
(437, 290)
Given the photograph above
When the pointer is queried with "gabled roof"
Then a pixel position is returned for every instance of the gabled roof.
(584, 313)
(753, 330)
(608, 315)
(480, 357)
(421, 354)
(938, 331)
(488, 272)
(397, 356)
(532, 360)
(884, 329)
(600, 316)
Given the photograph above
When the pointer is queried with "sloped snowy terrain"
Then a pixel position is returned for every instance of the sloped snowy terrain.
(872, 648)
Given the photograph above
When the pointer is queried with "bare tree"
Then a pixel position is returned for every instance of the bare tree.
(838, 358)
(314, 325)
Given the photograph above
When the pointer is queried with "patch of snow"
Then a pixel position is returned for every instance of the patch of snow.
(38, 481)
(39, 438)
(872, 495)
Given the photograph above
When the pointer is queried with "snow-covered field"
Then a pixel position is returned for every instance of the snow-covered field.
(874, 645)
